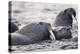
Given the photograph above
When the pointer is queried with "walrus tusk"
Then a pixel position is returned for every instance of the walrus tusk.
(74, 17)
(52, 36)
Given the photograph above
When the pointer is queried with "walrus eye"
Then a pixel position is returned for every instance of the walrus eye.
(74, 17)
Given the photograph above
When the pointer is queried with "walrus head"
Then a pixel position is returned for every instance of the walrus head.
(71, 12)
(65, 18)
(52, 36)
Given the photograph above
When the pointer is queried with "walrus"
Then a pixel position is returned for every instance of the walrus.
(63, 24)
(32, 33)
(12, 26)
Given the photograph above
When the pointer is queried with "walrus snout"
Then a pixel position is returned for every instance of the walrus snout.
(70, 11)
